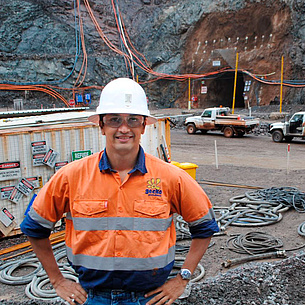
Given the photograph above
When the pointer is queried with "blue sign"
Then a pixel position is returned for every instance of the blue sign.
(79, 98)
(88, 98)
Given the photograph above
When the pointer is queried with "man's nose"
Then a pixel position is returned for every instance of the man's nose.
(124, 127)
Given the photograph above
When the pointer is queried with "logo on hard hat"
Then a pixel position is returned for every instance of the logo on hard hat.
(128, 100)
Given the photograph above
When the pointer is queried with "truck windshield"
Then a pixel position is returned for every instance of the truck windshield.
(297, 118)
(207, 113)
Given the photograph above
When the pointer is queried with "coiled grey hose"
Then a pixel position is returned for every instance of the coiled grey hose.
(182, 227)
(246, 216)
(260, 207)
(301, 229)
(6, 276)
(254, 243)
(7, 270)
(288, 196)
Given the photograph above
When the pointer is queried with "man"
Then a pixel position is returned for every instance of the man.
(120, 234)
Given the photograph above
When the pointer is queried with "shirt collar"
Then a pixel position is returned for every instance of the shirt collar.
(104, 163)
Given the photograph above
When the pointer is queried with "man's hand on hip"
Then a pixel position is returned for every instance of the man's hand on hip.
(168, 292)
(70, 291)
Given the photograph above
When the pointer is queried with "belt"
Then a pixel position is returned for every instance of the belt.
(116, 292)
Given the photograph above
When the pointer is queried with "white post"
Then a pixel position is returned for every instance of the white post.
(288, 152)
(216, 155)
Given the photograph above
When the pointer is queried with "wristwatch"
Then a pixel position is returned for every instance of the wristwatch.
(185, 274)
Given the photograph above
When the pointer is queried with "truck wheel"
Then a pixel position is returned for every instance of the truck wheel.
(228, 132)
(277, 136)
(191, 129)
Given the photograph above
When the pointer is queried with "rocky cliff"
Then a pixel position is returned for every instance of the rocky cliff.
(186, 43)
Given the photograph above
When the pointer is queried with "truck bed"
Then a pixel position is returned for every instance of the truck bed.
(235, 122)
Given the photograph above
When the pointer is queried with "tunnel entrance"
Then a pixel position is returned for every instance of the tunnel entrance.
(220, 91)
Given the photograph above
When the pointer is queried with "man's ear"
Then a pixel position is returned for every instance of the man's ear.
(144, 126)
(101, 126)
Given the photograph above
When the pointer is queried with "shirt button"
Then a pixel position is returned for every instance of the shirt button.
(119, 232)
(119, 254)
(120, 209)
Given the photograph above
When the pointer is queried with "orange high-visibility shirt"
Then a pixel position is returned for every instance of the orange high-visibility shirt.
(122, 226)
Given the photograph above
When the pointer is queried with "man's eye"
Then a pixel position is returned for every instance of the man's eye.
(133, 119)
(115, 120)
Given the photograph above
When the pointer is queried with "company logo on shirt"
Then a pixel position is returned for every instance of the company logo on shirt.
(153, 187)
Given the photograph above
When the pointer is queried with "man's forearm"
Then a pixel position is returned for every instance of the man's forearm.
(197, 249)
(44, 252)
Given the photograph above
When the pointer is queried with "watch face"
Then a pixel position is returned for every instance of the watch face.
(185, 274)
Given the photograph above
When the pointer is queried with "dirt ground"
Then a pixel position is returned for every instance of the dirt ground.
(249, 161)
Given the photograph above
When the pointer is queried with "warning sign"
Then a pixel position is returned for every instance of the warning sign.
(76, 155)
(6, 217)
(39, 147)
(36, 181)
(10, 170)
(204, 89)
(7, 222)
(60, 164)
(50, 158)
(16, 195)
(37, 159)
(25, 187)
(72, 103)
(6, 191)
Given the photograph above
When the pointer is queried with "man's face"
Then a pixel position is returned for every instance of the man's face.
(123, 131)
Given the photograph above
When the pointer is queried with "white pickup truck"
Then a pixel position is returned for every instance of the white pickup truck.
(219, 118)
(295, 127)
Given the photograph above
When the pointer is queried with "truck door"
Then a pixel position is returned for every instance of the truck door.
(206, 120)
(295, 124)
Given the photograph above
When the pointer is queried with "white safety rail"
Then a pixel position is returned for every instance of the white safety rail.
(63, 133)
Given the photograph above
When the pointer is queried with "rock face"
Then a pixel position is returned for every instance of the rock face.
(41, 44)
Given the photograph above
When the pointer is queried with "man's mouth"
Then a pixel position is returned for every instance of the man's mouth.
(124, 138)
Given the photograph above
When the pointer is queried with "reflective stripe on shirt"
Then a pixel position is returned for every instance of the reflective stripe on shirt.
(42, 221)
(120, 223)
(209, 216)
(121, 263)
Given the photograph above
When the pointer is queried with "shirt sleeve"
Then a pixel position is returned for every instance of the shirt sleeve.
(204, 230)
(32, 228)
(48, 207)
(191, 202)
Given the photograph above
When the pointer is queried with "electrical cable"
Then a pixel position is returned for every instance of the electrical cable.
(77, 53)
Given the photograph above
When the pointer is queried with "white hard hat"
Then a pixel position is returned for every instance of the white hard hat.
(123, 95)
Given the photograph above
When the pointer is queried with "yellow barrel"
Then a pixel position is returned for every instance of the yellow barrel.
(190, 168)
